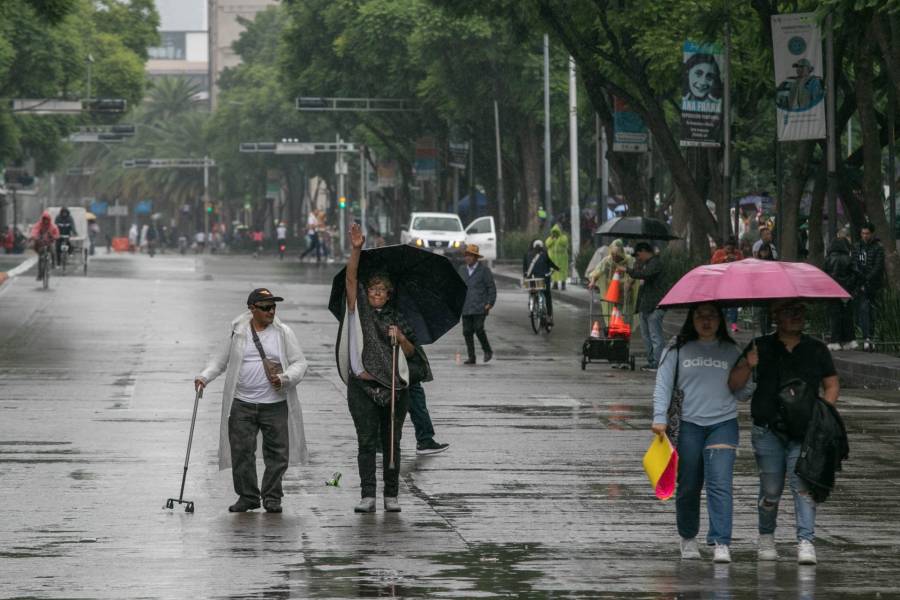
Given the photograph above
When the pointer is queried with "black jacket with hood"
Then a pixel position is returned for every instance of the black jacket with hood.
(823, 449)
(870, 261)
(841, 266)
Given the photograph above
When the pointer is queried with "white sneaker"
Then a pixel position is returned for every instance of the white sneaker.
(721, 554)
(868, 346)
(806, 553)
(765, 549)
(689, 549)
(851, 345)
(834, 346)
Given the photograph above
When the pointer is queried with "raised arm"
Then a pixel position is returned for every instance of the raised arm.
(357, 239)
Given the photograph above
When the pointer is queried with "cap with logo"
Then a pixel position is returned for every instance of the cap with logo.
(261, 294)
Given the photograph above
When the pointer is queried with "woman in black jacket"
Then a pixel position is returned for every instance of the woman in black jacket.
(839, 264)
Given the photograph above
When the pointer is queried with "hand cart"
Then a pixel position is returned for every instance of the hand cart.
(607, 343)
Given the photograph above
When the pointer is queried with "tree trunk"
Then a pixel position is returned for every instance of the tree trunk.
(816, 219)
(532, 169)
(873, 194)
(788, 230)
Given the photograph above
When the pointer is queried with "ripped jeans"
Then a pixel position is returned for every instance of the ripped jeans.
(775, 458)
(706, 452)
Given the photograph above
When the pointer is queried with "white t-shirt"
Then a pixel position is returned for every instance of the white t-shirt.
(312, 223)
(252, 384)
(281, 232)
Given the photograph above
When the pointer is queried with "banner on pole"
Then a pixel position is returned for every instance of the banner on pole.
(629, 132)
(800, 92)
(426, 159)
(701, 99)
(459, 155)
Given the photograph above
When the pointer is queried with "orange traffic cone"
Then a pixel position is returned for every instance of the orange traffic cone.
(616, 323)
(614, 289)
(595, 330)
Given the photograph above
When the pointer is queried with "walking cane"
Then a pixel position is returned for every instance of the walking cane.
(189, 506)
(393, 396)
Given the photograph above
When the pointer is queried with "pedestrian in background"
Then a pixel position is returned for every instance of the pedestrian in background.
(870, 263)
(558, 251)
(780, 360)
(421, 420)
(841, 266)
(481, 296)
(371, 326)
(765, 237)
(312, 237)
(726, 254)
(649, 271)
(766, 251)
(697, 365)
(263, 364)
(615, 260)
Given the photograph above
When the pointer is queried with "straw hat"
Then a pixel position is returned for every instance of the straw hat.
(473, 250)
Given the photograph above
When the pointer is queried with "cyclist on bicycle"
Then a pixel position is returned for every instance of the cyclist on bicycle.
(43, 235)
(66, 225)
(537, 264)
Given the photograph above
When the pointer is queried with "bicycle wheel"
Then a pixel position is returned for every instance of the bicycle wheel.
(535, 316)
(45, 280)
(545, 319)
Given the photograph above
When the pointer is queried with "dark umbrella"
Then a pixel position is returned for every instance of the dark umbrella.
(427, 289)
(636, 228)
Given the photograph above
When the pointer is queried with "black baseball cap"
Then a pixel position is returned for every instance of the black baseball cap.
(260, 294)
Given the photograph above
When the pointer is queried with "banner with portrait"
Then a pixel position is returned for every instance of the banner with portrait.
(629, 131)
(799, 91)
(701, 95)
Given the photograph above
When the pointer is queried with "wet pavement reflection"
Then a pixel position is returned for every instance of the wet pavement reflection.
(540, 495)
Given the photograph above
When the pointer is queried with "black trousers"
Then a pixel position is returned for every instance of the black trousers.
(843, 328)
(245, 422)
(473, 325)
(372, 424)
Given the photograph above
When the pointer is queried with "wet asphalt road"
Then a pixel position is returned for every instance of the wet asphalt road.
(540, 495)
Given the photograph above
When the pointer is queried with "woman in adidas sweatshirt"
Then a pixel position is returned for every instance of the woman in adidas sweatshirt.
(701, 359)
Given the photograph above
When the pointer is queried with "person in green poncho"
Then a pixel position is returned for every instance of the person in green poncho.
(558, 251)
(599, 278)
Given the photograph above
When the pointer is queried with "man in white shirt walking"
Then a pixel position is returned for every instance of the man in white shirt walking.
(263, 364)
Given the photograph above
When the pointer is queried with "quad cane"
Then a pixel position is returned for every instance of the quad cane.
(391, 464)
(189, 506)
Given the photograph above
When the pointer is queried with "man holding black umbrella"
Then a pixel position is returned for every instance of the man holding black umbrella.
(480, 298)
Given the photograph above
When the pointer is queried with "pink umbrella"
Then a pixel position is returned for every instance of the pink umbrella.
(752, 280)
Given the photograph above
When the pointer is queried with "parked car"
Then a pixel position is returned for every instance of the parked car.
(443, 233)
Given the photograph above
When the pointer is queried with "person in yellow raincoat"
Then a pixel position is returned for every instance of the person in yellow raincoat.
(558, 251)
(600, 277)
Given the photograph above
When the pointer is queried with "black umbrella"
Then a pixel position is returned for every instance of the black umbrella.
(427, 289)
(636, 228)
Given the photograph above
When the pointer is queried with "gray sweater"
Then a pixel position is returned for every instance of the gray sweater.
(703, 376)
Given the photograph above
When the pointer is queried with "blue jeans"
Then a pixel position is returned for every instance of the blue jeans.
(418, 413)
(652, 332)
(774, 458)
(698, 460)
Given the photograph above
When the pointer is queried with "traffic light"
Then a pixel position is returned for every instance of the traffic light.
(105, 105)
(342, 202)
(209, 207)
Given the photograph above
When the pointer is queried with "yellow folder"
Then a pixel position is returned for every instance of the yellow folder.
(661, 466)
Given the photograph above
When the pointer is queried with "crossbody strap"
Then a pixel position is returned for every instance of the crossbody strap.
(533, 262)
(256, 342)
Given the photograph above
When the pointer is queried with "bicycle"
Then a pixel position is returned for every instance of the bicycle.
(63, 252)
(537, 304)
(44, 265)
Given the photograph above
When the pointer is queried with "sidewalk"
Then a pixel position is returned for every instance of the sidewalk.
(856, 369)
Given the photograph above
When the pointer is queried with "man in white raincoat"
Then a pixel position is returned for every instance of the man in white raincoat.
(260, 395)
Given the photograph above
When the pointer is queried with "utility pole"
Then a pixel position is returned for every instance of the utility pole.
(501, 213)
(363, 177)
(575, 216)
(548, 200)
(831, 146)
(342, 210)
(206, 200)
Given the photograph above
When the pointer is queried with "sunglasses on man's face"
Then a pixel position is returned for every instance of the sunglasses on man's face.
(264, 307)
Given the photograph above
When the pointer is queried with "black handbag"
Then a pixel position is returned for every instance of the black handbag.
(676, 403)
(796, 400)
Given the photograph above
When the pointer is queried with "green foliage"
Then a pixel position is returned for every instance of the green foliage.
(139, 18)
(515, 244)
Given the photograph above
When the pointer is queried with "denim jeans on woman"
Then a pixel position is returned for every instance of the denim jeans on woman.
(775, 458)
(698, 460)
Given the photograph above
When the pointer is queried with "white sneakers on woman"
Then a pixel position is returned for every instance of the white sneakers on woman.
(721, 554)
(689, 549)
(766, 548)
(806, 553)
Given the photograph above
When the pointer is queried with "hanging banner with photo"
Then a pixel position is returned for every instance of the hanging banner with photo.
(701, 95)
(800, 92)
(629, 132)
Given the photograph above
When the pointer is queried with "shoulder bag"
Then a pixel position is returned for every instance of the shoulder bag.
(271, 367)
(676, 402)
